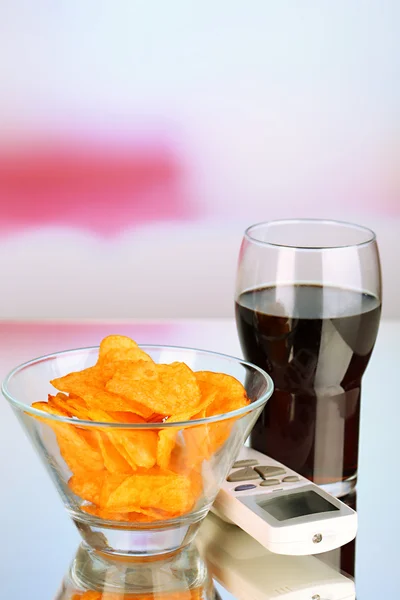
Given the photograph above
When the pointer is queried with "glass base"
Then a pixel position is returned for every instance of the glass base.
(180, 574)
(340, 488)
(138, 540)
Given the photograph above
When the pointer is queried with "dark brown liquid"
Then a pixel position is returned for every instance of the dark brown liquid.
(344, 558)
(315, 342)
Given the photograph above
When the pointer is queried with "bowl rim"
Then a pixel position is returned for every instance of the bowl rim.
(130, 426)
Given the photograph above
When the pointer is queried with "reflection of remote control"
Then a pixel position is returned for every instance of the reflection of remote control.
(282, 510)
(249, 572)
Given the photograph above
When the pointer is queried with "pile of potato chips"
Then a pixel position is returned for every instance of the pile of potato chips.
(139, 475)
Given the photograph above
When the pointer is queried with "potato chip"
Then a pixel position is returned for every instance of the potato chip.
(115, 516)
(59, 401)
(90, 436)
(126, 417)
(74, 407)
(200, 415)
(88, 385)
(51, 410)
(96, 414)
(113, 403)
(90, 377)
(63, 402)
(196, 483)
(156, 489)
(220, 433)
(114, 461)
(159, 514)
(139, 446)
(174, 391)
(209, 393)
(120, 344)
(231, 393)
(231, 396)
(87, 486)
(74, 447)
(133, 370)
(190, 452)
(117, 355)
(166, 443)
(79, 409)
(77, 453)
(119, 446)
(110, 483)
(156, 418)
(167, 436)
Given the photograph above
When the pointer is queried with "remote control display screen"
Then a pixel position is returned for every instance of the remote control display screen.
(296, 505)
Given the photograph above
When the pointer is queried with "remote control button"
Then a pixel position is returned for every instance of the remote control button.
(243, 475)
(290, 478)
(246, 486)
(268, 482)
(269, 471)
(248, 462)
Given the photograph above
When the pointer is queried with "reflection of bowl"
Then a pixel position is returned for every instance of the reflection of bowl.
(170, 505)
(95, 576)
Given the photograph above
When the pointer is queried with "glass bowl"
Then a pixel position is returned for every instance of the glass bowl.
(100, 499)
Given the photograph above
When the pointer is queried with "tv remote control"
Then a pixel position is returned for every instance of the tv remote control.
(283, 511)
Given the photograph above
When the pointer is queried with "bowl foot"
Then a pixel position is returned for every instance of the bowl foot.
(153, 540)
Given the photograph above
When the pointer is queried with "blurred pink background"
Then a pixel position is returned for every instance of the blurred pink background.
(139, 139)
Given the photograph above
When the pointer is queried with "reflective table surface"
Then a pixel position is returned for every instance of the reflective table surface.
(41, 556)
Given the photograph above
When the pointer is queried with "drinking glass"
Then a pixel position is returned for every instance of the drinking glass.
(308, 305)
